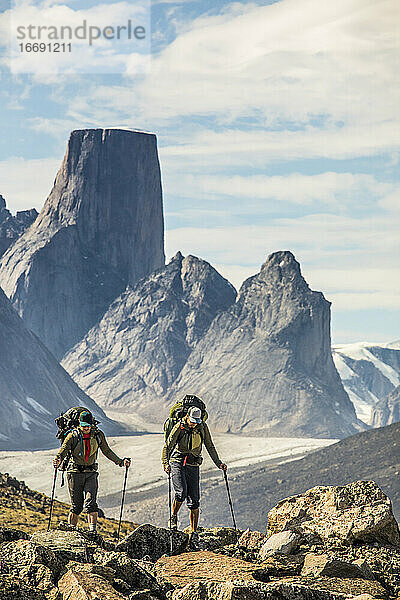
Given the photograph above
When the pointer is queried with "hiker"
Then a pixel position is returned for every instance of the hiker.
(82, 445)
(181, 457)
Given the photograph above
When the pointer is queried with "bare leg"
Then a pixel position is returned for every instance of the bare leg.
(175, 507)
(194, 518)
(73, 519)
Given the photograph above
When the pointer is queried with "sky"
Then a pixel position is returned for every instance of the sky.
(277, 126)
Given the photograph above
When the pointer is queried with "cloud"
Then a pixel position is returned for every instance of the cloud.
(27, 183)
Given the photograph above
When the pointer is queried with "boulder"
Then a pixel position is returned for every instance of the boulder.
(25, 553)
(11, 535)
(316, 565)
(12, 588)
(151, 541)
(359, 511)
(41, 578)
(143, 595)
(251, 540)
(323, 588)
(205, 590)
(208, 566)
(78, 585)
(94, 569)
(283, 542)
(279, 565)
(66, 545)
(127, 569)
(216, 537)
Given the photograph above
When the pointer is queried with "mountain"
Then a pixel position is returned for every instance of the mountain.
(134, 354)
(265, 364)
(369, 373)
(387, 410)
(34, 388)
(12, 227)
(100, 229)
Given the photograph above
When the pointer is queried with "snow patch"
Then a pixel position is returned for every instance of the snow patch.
(37, 407)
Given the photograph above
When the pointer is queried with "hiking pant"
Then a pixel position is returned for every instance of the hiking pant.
(186, 484)
(83, 491)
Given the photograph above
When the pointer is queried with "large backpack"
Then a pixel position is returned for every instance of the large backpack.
(180, 409)
(67, 423)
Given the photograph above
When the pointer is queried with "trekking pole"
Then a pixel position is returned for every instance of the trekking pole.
(52, 498)
(171, 541)
(122, 502)
(230, 502)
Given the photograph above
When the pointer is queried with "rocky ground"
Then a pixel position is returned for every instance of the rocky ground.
(338, 543)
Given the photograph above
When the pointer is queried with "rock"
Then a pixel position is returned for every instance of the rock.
(7, 534)
(359, 511)
(75, 585)
(41, 578)
(322, 588)
(387, 410)
(205, 565)
(100, 229)
(66, 545)
(25, 553)
(283, 566)
(283, 542)
(316, 565)
(137, 350)
(105, 572)
(34, 389)
(251, 540)
(12, 227)
(151, 541)
(203, 590)
(213, 538)
(143, 595)
(365, 568)
(11, 588)
(127, 569)
(269, 357)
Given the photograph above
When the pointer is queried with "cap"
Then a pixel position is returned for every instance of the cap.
(85, 419)
(194, 414)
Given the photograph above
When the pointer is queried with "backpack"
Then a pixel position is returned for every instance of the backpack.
(180, 409)
(67, 423)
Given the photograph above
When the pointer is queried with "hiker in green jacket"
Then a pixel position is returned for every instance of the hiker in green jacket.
(82, 445)
(181, 456)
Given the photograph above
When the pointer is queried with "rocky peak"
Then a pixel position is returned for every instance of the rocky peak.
(137, 350)
(269, 357)
(11, 228)
(100, 229)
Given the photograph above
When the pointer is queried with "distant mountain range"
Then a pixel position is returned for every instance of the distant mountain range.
(88, 278)
(370, 372)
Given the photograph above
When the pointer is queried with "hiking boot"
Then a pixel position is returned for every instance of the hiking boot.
(194, 541)
(173, 522)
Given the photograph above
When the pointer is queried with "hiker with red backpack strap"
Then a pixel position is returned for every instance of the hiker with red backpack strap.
(181, 457)
(79, 449)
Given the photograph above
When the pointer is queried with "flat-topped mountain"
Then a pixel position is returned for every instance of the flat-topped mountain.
(135, 353)
(265, 363)
(100, 229)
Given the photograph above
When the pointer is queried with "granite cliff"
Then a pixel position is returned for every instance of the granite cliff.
(133, 355)
(265, 363)
(34, 388)
(387, 410)
(100, 229)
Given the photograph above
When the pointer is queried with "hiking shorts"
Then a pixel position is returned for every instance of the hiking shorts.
(83, 491)
(186, 484)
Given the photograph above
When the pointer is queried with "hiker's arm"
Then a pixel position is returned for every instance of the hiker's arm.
(106, 450)
(211, 448)
(170, 445)
(63, 451)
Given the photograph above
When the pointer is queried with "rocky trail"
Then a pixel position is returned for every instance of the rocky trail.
(328, 543)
